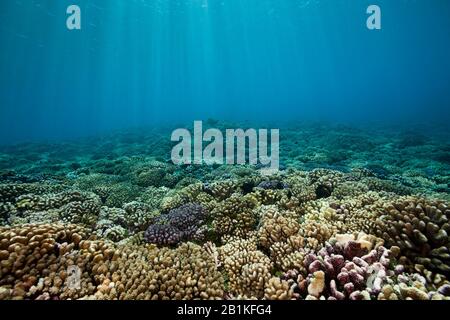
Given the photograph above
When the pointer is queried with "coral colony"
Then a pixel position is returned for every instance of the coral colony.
(350, 214)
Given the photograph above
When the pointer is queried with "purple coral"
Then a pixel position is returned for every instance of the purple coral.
(162, 234)
(184, 223)
(272, 185)
(351, 272)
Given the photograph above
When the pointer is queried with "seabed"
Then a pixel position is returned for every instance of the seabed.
(353, 213)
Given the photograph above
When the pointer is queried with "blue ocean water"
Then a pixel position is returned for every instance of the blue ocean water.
(147, 62)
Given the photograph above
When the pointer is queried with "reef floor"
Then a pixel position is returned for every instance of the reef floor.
(353, 213)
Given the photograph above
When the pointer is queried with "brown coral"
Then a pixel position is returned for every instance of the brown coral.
(36, 261)
(248, 269)
(420, 228)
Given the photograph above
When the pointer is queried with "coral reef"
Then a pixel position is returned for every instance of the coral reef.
(351, 214)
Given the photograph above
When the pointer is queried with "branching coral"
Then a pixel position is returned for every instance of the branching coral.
(247, 268)
(235, 215)
(349, 189)
(10, 191)
(376, 184)
(300, 187)
(277, 289)
(138, 216)
(279, 235)
(220, 190)
(346, 269)
(153, 196)
(181, 224)
(37, 260)
(413, 287)
(324, 181)
(276, 226)
(33, 252)
(122, 193)
(187, 272)
(189, 194)
(70, 206)
(420, 228)
(156, 176)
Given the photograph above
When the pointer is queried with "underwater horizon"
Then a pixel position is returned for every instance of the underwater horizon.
(224, 150)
